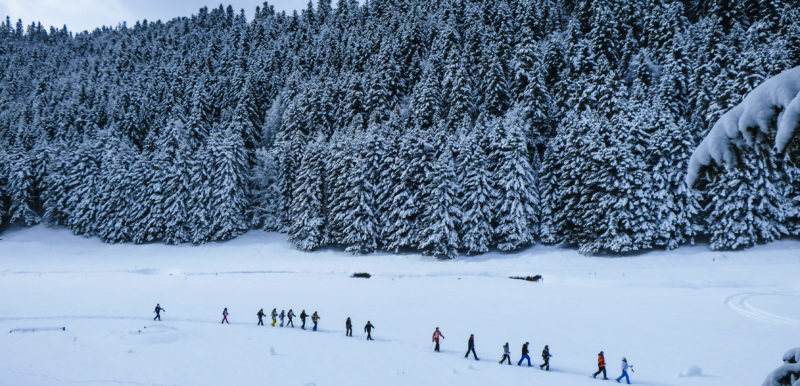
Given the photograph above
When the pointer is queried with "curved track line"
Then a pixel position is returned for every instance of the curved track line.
(739, 303)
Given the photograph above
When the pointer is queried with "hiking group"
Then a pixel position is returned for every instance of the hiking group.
(436, 339)
(601, 363)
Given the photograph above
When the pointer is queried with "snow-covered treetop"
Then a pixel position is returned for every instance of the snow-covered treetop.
(792, 356)
(779, 95)
(784, 374)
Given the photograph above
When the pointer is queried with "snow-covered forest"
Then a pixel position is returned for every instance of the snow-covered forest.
(442, 126)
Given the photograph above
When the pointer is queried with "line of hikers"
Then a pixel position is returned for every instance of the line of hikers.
(290, 315)
(436, 338)
(275, 316)
(601, 361)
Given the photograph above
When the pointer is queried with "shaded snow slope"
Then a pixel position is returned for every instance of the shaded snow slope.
(759, 108)
(732, 314)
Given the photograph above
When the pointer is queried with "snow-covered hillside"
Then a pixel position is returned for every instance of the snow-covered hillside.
(731, 315)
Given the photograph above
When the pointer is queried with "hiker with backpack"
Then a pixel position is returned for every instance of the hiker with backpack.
(290, 315)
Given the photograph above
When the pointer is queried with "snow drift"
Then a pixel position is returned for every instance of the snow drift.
(779, 95)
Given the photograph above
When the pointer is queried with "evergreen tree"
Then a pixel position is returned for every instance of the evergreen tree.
(517, 202)
(264, 210)
(307, 230)
(360, 225)
(229, 182)
(22, 190)
(440, 214)
(476, 215)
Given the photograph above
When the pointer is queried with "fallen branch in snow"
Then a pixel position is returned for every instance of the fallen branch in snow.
(777, 96)
(534, 278)
(37, 329)
(362, 274)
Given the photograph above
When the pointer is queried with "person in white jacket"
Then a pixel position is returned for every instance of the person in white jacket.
(625, 367)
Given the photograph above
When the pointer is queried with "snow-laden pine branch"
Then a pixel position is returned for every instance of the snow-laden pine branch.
(779, 95)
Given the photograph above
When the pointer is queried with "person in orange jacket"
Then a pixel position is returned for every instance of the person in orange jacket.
(436, 336)
(601, 366)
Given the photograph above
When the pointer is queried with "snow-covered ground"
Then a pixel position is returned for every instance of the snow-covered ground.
(730, 314)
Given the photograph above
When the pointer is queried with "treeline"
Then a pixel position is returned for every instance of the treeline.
(440, 126)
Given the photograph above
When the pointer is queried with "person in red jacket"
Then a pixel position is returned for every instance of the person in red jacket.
(436, 336)
(601, 366)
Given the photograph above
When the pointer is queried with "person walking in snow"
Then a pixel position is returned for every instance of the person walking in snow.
(471, 347)
(290, 315)
(506, 354)
(274, 315)
(303, 317)
(546, 357)
(348, 327)
(601, 365)
(260, 315)
(436, 336)
(525, 355)
(225, 316)
(282, 315)
(368, 329)
(625, 366)
(315, 319)
(158, 312)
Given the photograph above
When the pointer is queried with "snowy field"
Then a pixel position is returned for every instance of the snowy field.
(732, 314)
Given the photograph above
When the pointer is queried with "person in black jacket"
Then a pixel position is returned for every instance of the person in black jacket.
(260, 315)
(471, 347)
(158, 312)
(546, 357)
(525, 355)
(348, 325)
(368, 329)
(303, 317)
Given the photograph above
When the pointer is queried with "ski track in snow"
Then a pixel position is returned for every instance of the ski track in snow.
(740, 303)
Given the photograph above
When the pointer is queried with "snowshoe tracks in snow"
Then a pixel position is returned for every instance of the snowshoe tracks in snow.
(740, 303)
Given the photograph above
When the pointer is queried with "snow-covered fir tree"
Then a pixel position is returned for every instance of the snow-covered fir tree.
(307, 229)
